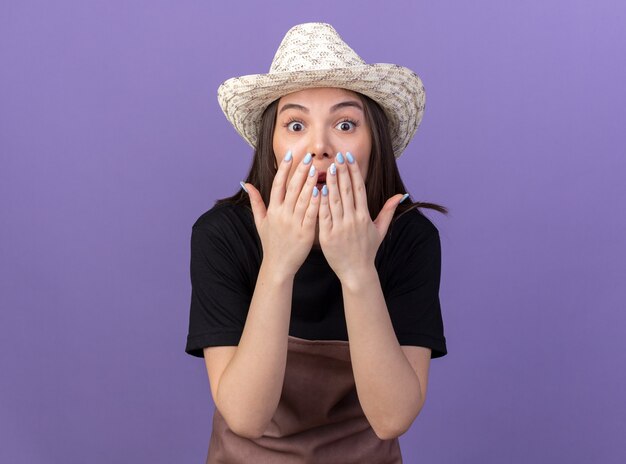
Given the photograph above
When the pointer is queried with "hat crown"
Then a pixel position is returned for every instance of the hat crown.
(313, 46)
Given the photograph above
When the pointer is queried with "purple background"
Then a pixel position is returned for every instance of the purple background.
(112, 143)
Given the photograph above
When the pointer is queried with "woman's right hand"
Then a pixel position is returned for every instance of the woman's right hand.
(287, 226)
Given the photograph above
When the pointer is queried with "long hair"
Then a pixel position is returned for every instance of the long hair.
(382, 181)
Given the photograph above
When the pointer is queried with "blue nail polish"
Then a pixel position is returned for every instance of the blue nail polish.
(288, 156)
(339, 158)
(350, 158)
(312, 171)
(333, 169)
(243, 186)
(315, 191)
(406, 195)
(307, 158)
(325, 190)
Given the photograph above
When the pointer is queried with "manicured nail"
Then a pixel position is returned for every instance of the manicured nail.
(315, 191)
(288, 156)
(406, 195)
(312, 171)
(333, 169)
(350, 158)
(307, 158)
(325, 190)
(339, 158)
(243, 186)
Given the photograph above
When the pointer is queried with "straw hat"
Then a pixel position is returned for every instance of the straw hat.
(314, 55)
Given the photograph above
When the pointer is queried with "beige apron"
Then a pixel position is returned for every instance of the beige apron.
(318, 420)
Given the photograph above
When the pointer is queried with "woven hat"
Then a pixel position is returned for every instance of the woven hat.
(314, 55)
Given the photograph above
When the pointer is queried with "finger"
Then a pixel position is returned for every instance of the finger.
(277, 195)
(297, 181)
(345, 187)
(326, 221)
(386, 214)
(259, 211)
(310, 217)
(358, 185)
(334, 198)
(304, 199)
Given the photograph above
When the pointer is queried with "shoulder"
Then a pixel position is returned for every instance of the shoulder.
(223, 217)
(411, 237)
(412, 225)
(227, 230)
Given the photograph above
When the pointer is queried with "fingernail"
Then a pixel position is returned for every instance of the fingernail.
(350, 158)
(288, 156)
(325, 190)
(406, 195)
(315, 191)
(339, 158)
(312, 171)
(307, 158)
(333, 169)
(243, 186)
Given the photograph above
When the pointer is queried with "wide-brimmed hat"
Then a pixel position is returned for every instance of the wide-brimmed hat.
(314, 55)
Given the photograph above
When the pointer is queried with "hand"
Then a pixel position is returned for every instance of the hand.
(287, 226)
(348, 236)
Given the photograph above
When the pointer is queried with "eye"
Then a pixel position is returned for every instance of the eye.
(345, 125)
(293, 125)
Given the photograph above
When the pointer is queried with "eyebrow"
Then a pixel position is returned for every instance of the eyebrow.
(333, 108)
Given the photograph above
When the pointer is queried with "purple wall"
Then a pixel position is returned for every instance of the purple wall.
(112, 143)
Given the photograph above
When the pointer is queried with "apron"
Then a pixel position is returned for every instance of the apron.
(319, 419)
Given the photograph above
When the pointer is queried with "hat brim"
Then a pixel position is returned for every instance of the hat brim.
(397, 89)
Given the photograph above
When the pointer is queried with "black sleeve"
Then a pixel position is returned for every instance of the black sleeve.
(413, 294)
(220, 292)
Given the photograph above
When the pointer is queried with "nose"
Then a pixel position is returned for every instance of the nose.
(322, 156)
(320, 145)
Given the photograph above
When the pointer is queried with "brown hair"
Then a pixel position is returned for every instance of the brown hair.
(382, 180)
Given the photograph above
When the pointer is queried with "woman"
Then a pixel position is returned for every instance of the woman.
(315, 288)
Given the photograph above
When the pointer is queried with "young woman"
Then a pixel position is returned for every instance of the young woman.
(315, 288)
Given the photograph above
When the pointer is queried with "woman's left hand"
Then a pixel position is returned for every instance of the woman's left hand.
(348, 237)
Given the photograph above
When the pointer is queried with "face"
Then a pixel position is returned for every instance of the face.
(322, 121)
